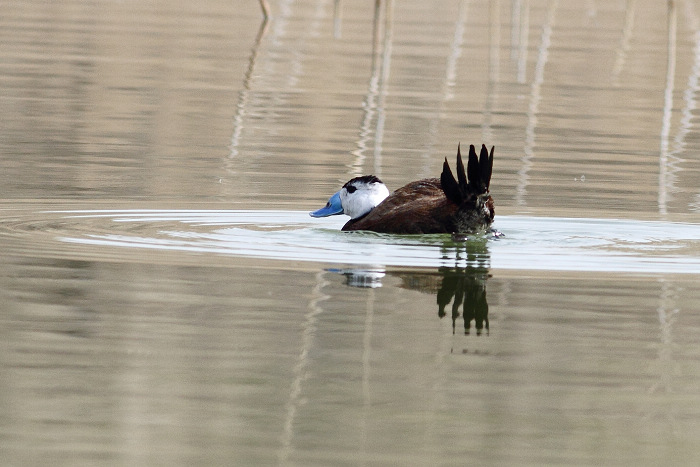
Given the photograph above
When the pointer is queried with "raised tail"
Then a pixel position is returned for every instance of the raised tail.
(478, 170)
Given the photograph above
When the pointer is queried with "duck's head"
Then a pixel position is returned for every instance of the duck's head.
(357, 197)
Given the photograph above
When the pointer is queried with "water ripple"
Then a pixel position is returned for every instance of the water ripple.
(530, 243)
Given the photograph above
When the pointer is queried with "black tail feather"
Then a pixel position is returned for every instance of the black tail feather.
(486, 165)
(449, 184)
(484, 169)
(474, 182)
(473, 171)
(461, 176)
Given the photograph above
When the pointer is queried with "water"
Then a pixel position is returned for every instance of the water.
(527, 243)
(167, 300)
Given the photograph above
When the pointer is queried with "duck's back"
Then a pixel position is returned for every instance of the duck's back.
(417, 208)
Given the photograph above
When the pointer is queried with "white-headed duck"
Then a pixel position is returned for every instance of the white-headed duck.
(427, 206)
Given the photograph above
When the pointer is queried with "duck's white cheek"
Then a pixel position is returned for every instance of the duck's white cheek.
(349, 203)
(360, 207)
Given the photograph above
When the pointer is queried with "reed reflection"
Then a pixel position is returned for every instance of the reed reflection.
(459, 285)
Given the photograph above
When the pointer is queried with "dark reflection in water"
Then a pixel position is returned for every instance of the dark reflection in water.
(463, 283)
(468, 288)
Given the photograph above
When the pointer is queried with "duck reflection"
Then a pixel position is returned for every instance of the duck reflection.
(369, 277)
(462, 287)
(461, 284)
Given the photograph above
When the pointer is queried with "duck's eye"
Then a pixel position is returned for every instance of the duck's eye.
(351, 189)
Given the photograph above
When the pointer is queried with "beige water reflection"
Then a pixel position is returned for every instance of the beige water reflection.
(178, 102)
(296, 367)
(147, 356)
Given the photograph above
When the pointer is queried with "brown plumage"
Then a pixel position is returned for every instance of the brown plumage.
(434, 205)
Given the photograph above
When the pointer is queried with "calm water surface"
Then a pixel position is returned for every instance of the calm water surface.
(166, 299)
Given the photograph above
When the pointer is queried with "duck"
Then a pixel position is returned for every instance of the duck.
(428, 206)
